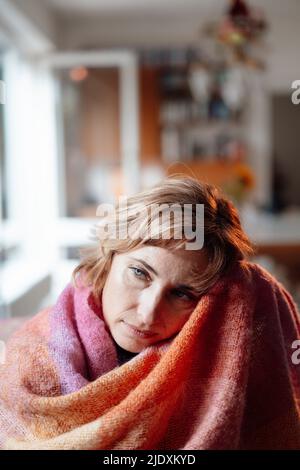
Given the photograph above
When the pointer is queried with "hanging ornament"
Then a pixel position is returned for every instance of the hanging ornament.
(239, 31)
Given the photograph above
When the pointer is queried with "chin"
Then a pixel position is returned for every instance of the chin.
(130, 346)
(134, 345)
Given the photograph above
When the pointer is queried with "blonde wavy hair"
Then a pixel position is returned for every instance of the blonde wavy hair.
(225, 242)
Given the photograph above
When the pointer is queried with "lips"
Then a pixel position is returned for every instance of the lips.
(140, 333)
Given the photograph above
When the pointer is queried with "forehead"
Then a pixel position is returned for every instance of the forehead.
(173, 265)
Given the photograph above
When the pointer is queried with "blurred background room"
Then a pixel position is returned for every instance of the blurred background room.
(100, 98)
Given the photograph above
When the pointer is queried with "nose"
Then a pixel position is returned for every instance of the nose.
(150, 305)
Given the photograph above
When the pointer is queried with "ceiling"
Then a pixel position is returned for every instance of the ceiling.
(111, 7)
(90, 24)
(172, 7)
(117, 23)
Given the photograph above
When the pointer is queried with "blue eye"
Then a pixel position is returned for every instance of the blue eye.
(182, 295)
(139, 273)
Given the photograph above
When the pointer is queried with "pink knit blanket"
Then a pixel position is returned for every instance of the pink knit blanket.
(230, 379)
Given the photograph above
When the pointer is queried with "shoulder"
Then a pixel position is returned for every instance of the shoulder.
(260, 273)
(267, 282)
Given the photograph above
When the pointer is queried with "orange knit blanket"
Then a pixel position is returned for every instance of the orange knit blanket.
(230, 379)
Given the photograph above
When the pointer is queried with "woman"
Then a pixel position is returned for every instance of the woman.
(159, 342)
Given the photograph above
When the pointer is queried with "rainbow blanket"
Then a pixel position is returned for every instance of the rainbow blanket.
(230, 379)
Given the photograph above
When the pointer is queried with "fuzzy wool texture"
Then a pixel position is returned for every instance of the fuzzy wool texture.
(225, 381)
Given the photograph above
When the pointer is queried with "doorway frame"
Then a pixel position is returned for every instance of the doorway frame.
(127, 63)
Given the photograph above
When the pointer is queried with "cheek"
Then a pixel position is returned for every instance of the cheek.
(175, 322)
(117, 298)
(110, 294)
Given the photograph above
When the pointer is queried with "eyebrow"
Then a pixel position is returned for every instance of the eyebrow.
(178, 286)
(146, 265)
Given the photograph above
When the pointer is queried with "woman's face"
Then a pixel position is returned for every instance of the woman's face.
(148, 294)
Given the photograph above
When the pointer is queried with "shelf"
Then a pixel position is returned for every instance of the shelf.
(204, 124)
